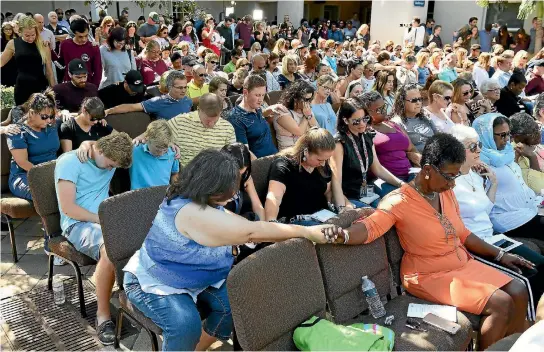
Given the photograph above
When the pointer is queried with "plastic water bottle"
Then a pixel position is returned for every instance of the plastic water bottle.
(372, 298)
(58, 292)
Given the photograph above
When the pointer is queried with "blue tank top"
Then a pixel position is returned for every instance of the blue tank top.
(178, 261)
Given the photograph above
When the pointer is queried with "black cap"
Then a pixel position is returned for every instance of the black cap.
(135, 81)
(77, 67)
(189, 61)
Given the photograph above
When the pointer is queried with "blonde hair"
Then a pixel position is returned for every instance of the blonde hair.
(422, 58)
(329, 44)
(255, 46)
(280, 43)
(325, 79)
(434, 56)
(242, 61)
(162, 82)
(211, 56)
(117, 147)
(183, 45)
(106, 20)
(518, 56)
(484, 61)
(438, 87)
(509, 54)
(461, 54)
(313, 141)
(159, 133)
(28, 22)
(285, 62)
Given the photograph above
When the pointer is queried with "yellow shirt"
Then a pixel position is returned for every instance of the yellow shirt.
(192, 137)
(194, 92)
(534, 179)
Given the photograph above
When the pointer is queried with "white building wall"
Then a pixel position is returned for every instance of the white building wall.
(387, 16)
(295, 10)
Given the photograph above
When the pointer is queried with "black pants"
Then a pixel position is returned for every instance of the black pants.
(534, 228)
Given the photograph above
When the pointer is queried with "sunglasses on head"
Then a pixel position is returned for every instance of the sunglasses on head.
(447, 177)
(474, 146)
(357, 122)
(503, 135)
(415, 100)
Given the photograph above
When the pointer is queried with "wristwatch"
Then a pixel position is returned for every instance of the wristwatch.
(307, 117)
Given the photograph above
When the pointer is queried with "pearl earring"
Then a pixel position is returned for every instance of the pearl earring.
(426, 177)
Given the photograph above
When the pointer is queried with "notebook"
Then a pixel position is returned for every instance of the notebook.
(323, 215)
(369, 199)
(421, 310)
(503, 242)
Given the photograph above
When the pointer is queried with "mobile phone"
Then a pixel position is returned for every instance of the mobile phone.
(441, 323)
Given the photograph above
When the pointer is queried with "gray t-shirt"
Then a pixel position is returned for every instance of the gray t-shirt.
(419, 129)
(147, 30)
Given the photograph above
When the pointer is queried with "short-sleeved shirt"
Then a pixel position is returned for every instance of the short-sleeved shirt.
(148, 170)
(447, 74)
(229, 68)
(92, 183)
(252, 129)
(192, 137)
(304, 192)
(166, 107)
(41, 146)
(72, 131)
(115, 94)
(147, 30)
(69, 97)
(48, 36)
(194, 92)
(419, 129)
(325, 116)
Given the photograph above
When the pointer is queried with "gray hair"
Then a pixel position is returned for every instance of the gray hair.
(463, 133)
(51, 14)
(368, 98)
(485, 86)
(325, 79)
(522, 123)
(172, 76)
(539, 105)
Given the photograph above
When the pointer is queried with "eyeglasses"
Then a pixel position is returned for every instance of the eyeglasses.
(60, 14)
(357, 122)
(328, 89)
(381, 110)
(260, 68)
(203, 75)
(473, 147)
(119, 43)
(180, 87)
(494, 90)
(467, 93)
(213, 62)
(446, 98)
(415, 100)
(307, 100)
(447, 177)
(244, 65)
(109, 25)
(503, 135)
(47, 117)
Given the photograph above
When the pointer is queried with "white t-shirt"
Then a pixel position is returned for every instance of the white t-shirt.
(479, 75)
(515, 202)
(531, 340)
(474, 204)
(416, 36)
(367, 83)
(440, 124)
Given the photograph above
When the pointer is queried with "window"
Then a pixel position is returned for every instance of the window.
(229, 10)
(257, 15)
(330, 12)
(504, 13)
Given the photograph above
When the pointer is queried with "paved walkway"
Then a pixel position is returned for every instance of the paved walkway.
(29, 320)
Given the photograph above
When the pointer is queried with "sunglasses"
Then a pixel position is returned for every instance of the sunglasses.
(47, 117)
(447, 177)
(360, 120)
(213, 62)
(381, 110)
(415, 100)
(203, 75)
(503, 135)
(467, 93)
(244, 65)
(446, 98)
(473, 147)
(260, 68)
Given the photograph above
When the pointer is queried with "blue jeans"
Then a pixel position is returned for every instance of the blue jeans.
(386, 188)
(178, 317)
(86, 238)
(358, 204)
(18, 186)
(305, 222)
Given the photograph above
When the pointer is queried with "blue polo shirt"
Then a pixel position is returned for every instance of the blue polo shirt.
(166, 107)
(148, 170)
(252, 129)
(92, 183)
(447, 74)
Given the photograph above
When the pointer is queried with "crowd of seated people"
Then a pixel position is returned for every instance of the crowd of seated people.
(447, 143)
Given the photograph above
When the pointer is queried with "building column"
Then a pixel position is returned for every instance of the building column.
(295, 10)
(388, 16)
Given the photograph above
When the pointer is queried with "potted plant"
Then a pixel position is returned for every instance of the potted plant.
(7, 102)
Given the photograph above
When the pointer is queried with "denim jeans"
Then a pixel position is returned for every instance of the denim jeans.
(386, 188)
(358, 204)
(18, 186)
(305, 222)
(178, 317)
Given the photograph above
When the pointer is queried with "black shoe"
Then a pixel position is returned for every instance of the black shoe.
(106, 332)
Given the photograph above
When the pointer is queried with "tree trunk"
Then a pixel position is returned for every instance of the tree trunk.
(539, 34)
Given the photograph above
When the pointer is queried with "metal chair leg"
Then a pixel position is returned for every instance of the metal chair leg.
(50, 273)
(11, 238)
(154, 340)
(118, 327)
(79, 289)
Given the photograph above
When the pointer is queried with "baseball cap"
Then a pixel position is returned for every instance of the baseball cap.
(475, 47)
(154, 16)
(77, 67)
(135, 81)
(189, 61)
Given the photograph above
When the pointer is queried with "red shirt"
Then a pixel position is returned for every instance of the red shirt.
(88, 53)
(151, 70)
(208, 41)
(535, 86)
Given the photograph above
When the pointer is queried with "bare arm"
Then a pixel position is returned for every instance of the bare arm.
(67, 203)
(256, 204)
(66, 145)
(124, 108)
(336, 162)
(212, 227)
(7, 54)
(49, 69)
(276, 190)
(287, 122)
(174, 177)
(21, 158)
(60, 38)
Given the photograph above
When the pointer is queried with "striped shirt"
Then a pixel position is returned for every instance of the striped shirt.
(192, 137)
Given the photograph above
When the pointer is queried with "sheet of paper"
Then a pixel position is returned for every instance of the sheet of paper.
(414, 170)
(369, 199)
(323, 215)
(421, 310)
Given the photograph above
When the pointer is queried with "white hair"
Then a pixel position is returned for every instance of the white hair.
(50, 14)
(463, 133)
(486, 85)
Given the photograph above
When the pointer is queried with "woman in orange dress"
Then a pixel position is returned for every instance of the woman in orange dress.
(437, 265)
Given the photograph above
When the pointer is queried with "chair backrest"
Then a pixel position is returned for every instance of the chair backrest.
(273, 291)
(125, 220)
(153, 91)
(394, 255)
(133, 123)
(5, 156)
(259, 173)
(343, 267)
(274, 97)
(41, 179)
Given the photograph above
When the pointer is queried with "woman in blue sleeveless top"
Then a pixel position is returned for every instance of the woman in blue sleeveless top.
(189, 251)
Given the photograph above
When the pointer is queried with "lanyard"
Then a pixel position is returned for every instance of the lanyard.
(365, 167)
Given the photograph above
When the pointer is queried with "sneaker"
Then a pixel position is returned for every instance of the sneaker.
(106, 332)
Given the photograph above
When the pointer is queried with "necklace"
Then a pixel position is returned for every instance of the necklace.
(471, 183)
(431, 197)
